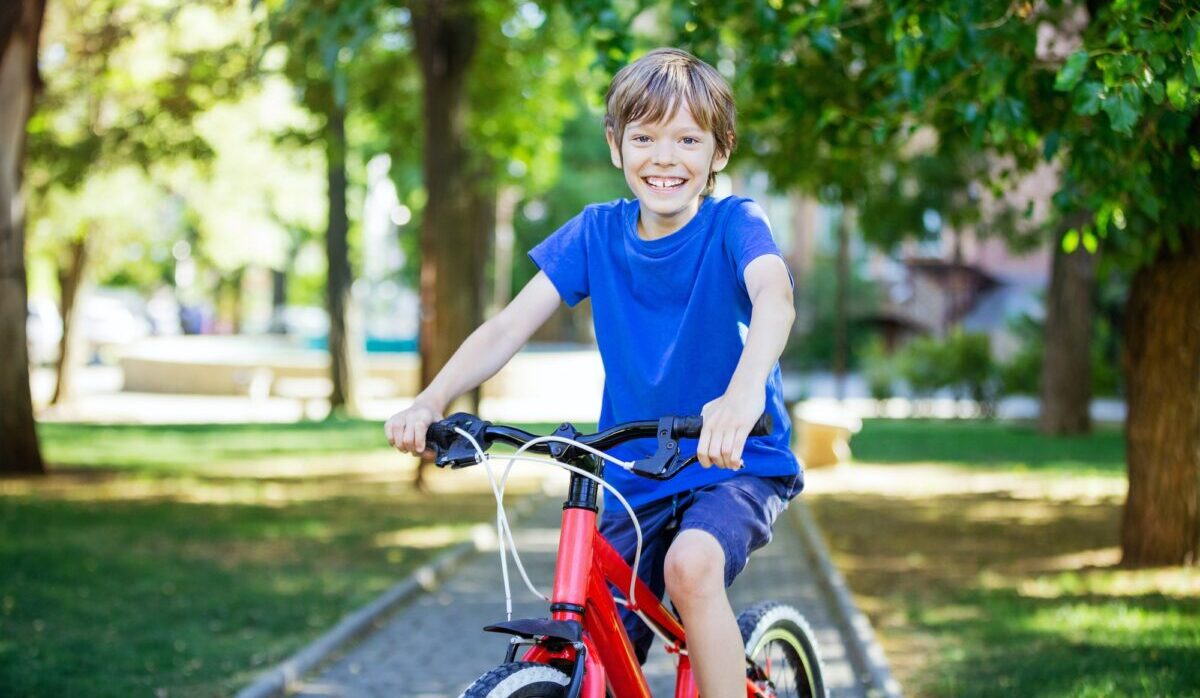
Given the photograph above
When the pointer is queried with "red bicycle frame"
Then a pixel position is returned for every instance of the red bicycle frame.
(586, 564)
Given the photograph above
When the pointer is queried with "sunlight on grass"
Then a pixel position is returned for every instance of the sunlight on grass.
(1180, 582)
(1100, 621)
(423, 537)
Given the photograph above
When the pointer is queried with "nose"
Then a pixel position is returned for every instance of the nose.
(664, 152)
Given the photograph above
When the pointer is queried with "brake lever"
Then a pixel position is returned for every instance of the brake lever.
(459, 452)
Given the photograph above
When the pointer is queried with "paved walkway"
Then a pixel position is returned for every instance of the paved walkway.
(434, 646)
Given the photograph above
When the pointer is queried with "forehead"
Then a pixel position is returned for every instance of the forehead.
(679, 118)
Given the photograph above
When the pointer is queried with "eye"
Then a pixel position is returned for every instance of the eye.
(688, 140)
(640, 139)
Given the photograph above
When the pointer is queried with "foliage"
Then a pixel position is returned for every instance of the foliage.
(880, 369)
(812, 347)
(1022, 374)
(591, 179)
(961, 362)
(125, 82)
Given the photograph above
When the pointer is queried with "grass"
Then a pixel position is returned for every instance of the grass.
(183, 560)
(988, 444)
(996, 573)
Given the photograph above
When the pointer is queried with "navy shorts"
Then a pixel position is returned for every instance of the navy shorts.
(738, 512)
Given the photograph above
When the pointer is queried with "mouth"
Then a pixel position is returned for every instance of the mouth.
(664, 184)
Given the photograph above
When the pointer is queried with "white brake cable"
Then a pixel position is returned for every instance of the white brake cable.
(631, 603)
(504, 531)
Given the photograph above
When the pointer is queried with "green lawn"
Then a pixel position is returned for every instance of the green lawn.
(1006, 584)
(990, 444)
(147, 565)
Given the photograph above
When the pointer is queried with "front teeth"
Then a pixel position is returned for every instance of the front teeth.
(664, 183)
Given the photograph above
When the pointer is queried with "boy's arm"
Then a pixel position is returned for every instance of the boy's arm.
(481, 355)
(729, 418)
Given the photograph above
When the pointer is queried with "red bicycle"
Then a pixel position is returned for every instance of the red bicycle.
(582, 649)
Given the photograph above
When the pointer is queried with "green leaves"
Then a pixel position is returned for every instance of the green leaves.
(1124, 108)
(1071, 72)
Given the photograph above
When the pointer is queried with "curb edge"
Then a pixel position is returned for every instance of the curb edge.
(284, 677)
(865, 650)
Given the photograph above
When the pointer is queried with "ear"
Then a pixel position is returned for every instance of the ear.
(720, 161)
(614, 149)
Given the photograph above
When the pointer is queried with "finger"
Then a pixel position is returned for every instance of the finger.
(702, 446)
(727, 440)
(419, 429)
(409, 438)
(389, 433)
(739, 447)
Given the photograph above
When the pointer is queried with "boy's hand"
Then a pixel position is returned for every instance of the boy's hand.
(406, 429)
(727, 422)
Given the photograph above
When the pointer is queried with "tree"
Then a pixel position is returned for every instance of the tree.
(1118, 107)
(20, 28)
(125, 80)
(322, 37)
(1123, 109)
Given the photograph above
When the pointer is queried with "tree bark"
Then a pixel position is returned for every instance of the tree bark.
(20, 27)
(1161, 524)
(445, 33)
(70, 281)
(342, 347)
(1067, 361)
(450, 272)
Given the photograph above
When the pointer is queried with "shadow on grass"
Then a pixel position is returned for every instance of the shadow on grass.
(985, 594)
(1070, 645)
(111, 597)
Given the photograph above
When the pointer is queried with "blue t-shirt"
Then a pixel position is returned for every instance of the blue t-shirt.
(671, 317)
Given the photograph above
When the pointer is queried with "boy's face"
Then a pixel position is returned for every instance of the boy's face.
(666, 165)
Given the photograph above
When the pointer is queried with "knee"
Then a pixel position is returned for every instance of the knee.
(694, 568)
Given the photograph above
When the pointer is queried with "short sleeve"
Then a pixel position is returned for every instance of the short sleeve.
(563, 256)
(748, 237)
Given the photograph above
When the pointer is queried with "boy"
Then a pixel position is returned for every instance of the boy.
(692, 305)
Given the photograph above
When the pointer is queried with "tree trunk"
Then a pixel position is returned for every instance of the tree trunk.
(70, 281)
(20, 26)
(1161, 523)
(342, 347)
(505, 238)
(1067, 363)
(841, 304)
(445, 33)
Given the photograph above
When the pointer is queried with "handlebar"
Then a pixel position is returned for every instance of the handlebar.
(456, 451)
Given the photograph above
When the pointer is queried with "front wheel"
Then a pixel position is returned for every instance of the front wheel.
(520, 680)
(781, 645)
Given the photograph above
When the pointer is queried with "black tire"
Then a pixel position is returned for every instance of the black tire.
(520, 680)
(778, 637)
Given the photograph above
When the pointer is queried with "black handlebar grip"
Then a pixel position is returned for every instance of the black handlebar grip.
(440, 435)
(689, 427)
(763, 426)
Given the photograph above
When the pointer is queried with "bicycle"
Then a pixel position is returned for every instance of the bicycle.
(582, 650)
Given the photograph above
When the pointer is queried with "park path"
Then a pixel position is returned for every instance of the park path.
(434, 647)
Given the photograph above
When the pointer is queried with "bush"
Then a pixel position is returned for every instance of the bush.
(961, 362)
(880, 369)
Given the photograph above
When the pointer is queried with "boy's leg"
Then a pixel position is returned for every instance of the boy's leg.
(695, 576)
(722, 525)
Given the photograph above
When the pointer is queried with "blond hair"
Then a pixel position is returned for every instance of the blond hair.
(651, 89)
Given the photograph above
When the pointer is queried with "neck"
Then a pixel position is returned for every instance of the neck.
(654, 226)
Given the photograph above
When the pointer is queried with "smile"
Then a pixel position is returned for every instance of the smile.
(664, 183)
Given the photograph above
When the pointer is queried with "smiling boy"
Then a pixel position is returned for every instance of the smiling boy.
(692, 306)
